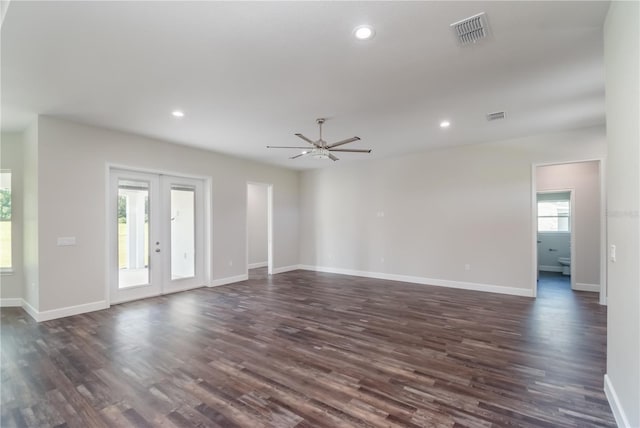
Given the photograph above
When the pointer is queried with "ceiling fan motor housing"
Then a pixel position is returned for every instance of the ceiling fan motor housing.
(319, 153)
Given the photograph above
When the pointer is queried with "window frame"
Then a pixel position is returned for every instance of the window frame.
(569, 216)
(10, 269)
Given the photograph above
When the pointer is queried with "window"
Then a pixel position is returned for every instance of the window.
(5, 220)
(554, 216)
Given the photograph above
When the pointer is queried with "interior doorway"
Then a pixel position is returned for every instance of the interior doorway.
(568, 226)
(555, 236)
(156, 234)
(259, 226)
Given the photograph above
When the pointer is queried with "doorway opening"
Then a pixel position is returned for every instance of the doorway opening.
(156, 234)
(555, 238)
(569, 235)
(259, 227)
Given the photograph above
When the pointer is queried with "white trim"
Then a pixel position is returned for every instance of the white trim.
(603, 233)
(489, 288)
(228, 280)
(63, 312)
(30, 310)
(595, 288)
(270, 229)
(71, 310)
(257, 265)
(11, 302)
(284, 269)
(534, 231)
(614, 403)
(108, 234)
(208, 229)
(550, 268)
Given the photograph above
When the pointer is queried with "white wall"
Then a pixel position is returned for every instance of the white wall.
(584, 179)
(257, 223)
(11, 158)
(72, 202)
(31, 271)
(442, 209)
(622, 75)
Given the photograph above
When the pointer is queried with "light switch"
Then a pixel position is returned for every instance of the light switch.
(612, 253)
(66, 241)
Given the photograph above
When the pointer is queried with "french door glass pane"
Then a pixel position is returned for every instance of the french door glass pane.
(133, 233)
(183, 232)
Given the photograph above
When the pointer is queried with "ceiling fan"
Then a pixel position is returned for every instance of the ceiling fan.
(322, 150)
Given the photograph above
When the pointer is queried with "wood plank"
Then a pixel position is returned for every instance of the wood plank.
(304, 349)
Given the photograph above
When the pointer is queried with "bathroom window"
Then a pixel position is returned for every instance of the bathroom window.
(554, 216)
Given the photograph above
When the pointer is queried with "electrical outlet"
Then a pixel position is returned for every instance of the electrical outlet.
(230, 262)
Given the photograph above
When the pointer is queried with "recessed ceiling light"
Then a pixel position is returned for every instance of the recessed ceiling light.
(363, 32)
(177, 113)
(445, 124)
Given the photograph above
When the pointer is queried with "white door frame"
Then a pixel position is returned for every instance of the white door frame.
(603, 226)
(111, 207)
(269, 187)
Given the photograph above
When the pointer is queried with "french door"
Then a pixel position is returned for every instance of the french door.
(156, 234)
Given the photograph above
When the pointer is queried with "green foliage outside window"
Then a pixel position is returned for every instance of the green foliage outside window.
(5, 205)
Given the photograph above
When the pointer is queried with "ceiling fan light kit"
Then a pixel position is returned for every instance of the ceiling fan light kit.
(322, 150)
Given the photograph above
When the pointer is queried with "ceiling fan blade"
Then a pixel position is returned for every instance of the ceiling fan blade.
(351, 150)
(286, 147)
(308, 140)
(339, 143)
(332, 157)
(297, 156)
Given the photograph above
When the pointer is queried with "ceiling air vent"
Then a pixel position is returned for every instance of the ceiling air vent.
(470, 30)
(495, 116)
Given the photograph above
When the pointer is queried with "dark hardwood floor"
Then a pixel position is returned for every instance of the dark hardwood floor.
(312, 349)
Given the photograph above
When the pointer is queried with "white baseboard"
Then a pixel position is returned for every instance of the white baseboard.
(579, 286)
(614, 403)
(33, 312)
(489, 288)
(71, 310)
(52, 314)
(550, 268)
(284, 269)
(228, 280)
(257, 265)
(11, 302)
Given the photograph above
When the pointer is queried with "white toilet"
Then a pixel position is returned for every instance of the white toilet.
(566, 265)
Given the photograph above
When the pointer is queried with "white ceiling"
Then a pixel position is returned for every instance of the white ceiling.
(251, 74)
